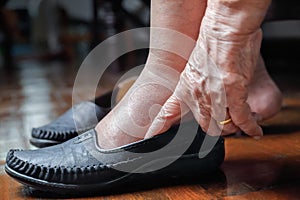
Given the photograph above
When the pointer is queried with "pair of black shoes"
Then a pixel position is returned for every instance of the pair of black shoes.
(72, 161)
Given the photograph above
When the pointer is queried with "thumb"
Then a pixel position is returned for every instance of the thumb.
(169, 114)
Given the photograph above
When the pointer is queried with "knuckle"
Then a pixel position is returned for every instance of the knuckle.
(230, 78)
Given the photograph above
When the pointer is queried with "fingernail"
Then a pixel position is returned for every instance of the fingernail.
(257, 137)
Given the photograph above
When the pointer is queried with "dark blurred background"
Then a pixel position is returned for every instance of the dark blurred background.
(67, 30)
(64, 30)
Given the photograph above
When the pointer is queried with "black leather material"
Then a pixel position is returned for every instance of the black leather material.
(79, 164)
(78, 119)
(66, 127)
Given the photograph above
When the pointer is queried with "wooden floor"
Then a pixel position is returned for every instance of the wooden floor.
(36, 93)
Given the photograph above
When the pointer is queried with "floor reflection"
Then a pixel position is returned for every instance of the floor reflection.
(215, 180)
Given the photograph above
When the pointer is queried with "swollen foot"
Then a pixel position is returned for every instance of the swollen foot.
(264, 96)
(130, 119)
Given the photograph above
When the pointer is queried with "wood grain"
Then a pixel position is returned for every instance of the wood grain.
(37, 93)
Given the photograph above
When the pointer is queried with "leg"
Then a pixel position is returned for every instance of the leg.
(133, 114)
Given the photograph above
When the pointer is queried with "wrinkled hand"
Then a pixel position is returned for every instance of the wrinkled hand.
(214, 83)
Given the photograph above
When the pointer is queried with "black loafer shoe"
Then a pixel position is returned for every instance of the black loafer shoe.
(66, 127)
(81, 166)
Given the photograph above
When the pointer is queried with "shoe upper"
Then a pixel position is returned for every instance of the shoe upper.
(78, 119)
(81, 157)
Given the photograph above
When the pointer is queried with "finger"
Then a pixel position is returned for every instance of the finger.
(227, 128)
(214, 129)
(204, 119)
(243, 118)
(170, 113)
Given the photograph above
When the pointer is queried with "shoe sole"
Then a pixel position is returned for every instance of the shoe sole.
(185, 166)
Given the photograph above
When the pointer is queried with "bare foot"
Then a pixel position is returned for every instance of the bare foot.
(264, 97)
(130, 119)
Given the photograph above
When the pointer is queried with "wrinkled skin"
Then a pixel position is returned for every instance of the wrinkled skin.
(130, 119)
(219, 74)
(215, 83)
